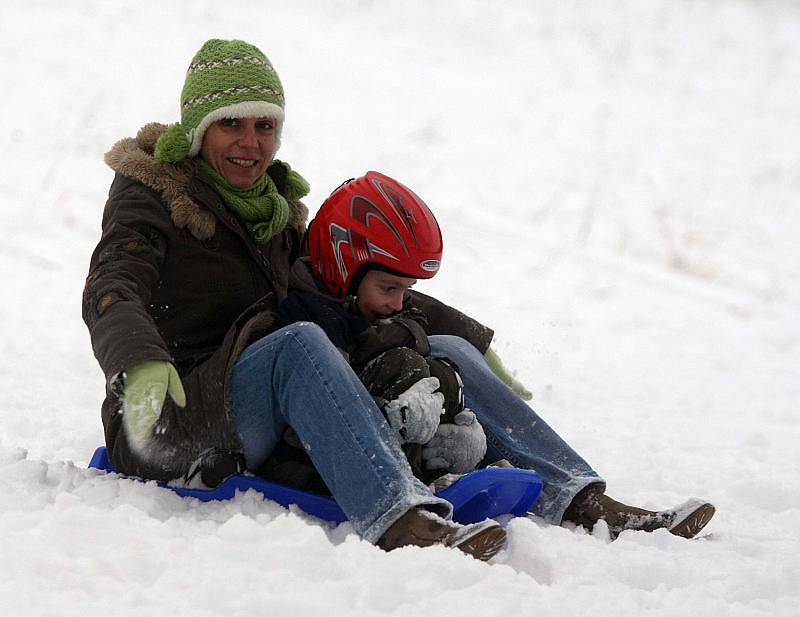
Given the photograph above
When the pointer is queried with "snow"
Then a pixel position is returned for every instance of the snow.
(618, 186)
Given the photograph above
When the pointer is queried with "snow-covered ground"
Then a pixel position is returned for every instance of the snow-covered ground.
(618, 184)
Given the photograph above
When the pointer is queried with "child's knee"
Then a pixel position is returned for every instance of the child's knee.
(393, 372)
(401, 359)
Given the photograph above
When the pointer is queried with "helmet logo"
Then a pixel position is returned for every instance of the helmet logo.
(430, 265)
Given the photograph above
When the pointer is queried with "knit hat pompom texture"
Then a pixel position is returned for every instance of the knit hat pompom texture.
(226, 79)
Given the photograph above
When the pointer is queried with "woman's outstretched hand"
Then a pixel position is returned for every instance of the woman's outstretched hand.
(146, 387)
(499, 369)
(457, 447)
(416, 413)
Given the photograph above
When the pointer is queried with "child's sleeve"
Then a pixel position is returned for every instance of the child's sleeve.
(444, 319)
(398, 331)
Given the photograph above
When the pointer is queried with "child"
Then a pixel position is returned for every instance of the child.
(368, 244)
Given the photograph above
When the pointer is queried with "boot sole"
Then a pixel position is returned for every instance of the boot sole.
(694, 521)
(485, 544)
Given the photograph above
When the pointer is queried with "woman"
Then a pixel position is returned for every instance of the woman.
(200, 229)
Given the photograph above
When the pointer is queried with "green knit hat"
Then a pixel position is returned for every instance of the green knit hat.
(226, 79)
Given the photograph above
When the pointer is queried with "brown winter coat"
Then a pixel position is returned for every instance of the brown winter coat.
(177, 277)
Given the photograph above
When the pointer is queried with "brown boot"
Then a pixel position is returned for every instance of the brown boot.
(592, 505)
(419, 527)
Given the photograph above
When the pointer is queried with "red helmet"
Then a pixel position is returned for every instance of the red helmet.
(373, 221)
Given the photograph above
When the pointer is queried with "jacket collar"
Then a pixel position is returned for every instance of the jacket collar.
(133, 157)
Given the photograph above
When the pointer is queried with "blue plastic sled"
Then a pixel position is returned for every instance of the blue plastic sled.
(485, 493)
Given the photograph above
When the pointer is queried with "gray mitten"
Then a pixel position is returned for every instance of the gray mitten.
(415, 414)
(457, 447)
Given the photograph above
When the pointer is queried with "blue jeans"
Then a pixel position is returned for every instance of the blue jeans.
(515, 432)
(296, 377)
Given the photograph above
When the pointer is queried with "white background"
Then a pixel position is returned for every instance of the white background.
(618, 185)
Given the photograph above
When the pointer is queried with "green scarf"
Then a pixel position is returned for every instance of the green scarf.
(263, 209)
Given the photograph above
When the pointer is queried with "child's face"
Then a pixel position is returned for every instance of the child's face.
(380, 294)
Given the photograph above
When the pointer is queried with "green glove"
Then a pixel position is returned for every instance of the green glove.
(494, 362)
(146, 387)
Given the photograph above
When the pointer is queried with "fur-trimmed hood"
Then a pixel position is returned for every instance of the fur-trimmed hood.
(133, 157)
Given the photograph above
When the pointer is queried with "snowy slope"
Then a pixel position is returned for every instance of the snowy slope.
(618, 185)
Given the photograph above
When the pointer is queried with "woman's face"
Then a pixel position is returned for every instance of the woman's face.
(240, 149)
(380, 294)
